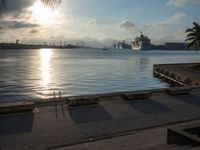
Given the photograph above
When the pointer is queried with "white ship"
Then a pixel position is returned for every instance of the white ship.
(141, 43)
(123, 45)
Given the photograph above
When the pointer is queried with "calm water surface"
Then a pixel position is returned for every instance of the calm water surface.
(30, 74)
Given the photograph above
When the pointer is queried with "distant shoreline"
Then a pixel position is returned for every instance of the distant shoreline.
(4, 46)
(15, 46)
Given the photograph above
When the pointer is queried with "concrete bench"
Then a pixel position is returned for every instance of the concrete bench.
(136, 95)
(82, 100)
(179, 91)
(10, 107)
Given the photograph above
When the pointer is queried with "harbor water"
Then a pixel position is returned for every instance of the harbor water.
(33, 74)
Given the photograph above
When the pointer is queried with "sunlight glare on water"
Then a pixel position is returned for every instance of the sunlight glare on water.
(45, 59)
(37, 74)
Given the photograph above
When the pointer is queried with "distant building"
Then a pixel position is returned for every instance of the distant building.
(176, 46)
(158, 47)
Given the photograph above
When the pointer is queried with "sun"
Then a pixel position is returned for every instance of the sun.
(43, 14)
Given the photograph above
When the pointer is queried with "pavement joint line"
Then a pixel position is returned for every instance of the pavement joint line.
(120, 134)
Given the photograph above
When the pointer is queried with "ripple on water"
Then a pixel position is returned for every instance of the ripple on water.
(31, 74)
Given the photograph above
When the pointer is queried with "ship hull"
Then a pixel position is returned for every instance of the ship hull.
(136, 48)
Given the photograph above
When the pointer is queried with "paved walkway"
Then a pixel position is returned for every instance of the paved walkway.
(56, 126)
(149, 139)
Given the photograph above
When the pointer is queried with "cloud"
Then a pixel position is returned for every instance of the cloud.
(91, 22)
(34, 31)
(147, 25)
(126, 24)
(176, 37)
(172, 20)
(16, 25)
(17, 7)
(1, 27)
(180, 3)
(2, 32)
(177, 2)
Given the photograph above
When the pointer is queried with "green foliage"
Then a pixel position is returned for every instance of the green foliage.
(193, 36)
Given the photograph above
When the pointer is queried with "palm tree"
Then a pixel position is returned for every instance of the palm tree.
(50, 3)
(193, 36)
(2, 3)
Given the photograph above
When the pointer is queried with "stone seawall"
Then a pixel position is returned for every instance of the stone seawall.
(180, 74)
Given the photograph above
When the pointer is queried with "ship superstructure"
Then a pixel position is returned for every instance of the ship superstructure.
(141, 43)
(123, 45)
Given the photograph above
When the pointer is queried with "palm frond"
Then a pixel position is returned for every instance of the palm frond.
(189, 30)
(190, 38)
(51, 3)
(196, 25)
(193, 35)
(192, 44)
(3, 3)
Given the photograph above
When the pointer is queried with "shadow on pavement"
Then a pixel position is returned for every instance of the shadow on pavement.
(148, 106)
(16, 123)
(87, 114)
(190, 99)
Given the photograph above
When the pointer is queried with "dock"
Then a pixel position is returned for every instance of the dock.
(178, 74)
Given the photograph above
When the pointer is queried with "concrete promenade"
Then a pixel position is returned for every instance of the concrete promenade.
(148, 139)
(56, 126)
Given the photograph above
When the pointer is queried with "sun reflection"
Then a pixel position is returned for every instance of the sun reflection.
(45, 58)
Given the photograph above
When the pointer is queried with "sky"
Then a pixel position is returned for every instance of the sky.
(97, 22)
